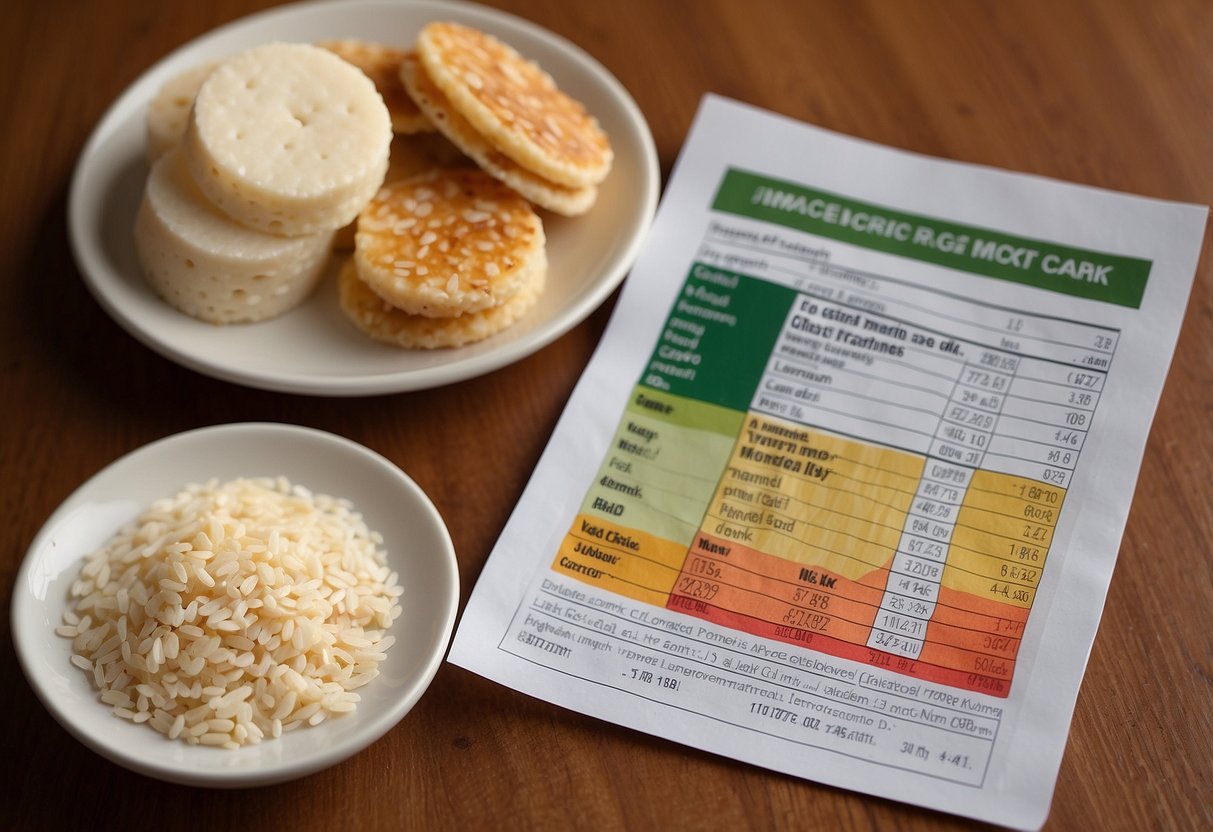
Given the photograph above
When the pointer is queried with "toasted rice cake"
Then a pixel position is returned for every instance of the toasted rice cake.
(515, 105)
(385, 323)
(411, 155)
(381, 63)
(288, 138)
(559, 199)
(169, 112)
(447, 243)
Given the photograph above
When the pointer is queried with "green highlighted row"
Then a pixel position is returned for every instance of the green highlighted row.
(718, 336)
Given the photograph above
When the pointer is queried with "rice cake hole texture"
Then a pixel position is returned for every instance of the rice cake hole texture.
(447, 243)
(381, 63)
(515, 105)
(169, 112)
(236, 612)
(210, 267)
(386, 324)
(559, 199)
(288, 139)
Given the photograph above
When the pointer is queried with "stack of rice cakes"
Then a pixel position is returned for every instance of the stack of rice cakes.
(450, 257)
(282, 145)
(448, 252)
(443, 259)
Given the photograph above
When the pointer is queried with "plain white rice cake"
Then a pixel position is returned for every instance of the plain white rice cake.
(212, 268)
(169, 112)
(288, 139)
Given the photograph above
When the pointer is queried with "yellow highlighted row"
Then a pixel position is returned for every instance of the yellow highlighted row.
(625, 561)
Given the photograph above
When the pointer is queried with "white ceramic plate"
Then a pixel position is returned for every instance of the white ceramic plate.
(415, 539)
(314, 349)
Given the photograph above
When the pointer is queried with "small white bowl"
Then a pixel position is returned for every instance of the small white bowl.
(415, 538)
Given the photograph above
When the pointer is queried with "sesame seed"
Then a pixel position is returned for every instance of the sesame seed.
(428, 238)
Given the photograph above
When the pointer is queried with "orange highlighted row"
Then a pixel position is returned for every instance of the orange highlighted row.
(625, 561)
(976, 634)
(920, 668)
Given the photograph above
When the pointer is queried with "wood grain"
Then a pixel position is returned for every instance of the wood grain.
(1110, 94)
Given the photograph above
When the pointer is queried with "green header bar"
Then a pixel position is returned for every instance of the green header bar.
(1072, 271)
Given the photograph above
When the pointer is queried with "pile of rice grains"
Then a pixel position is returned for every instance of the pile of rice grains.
(425, 163)
(231, 613)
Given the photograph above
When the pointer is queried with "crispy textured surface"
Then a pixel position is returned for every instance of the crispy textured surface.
(560, 199)
(447, 243)
(515, 105)
(381, 63)
(289, 139)
(411, 155)
(385, 323)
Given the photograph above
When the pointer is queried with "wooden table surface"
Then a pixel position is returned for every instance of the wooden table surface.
(1111, 94)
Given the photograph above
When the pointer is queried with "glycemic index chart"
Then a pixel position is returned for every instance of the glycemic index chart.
(850, 478)
(833, 462)
(841, 491)
(863, 468)
(912, 538)
(844, 461)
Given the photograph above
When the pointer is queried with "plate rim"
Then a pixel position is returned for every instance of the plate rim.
(85, 251)
(289, 769)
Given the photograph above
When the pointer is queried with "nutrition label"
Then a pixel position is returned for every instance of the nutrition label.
(911, 538)
(841, 491)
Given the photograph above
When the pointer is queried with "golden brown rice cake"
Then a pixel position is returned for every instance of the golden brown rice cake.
(559, 199)
(411, 155)
(389, 325)
(448, 243)
(515, 105)
(381, 63)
